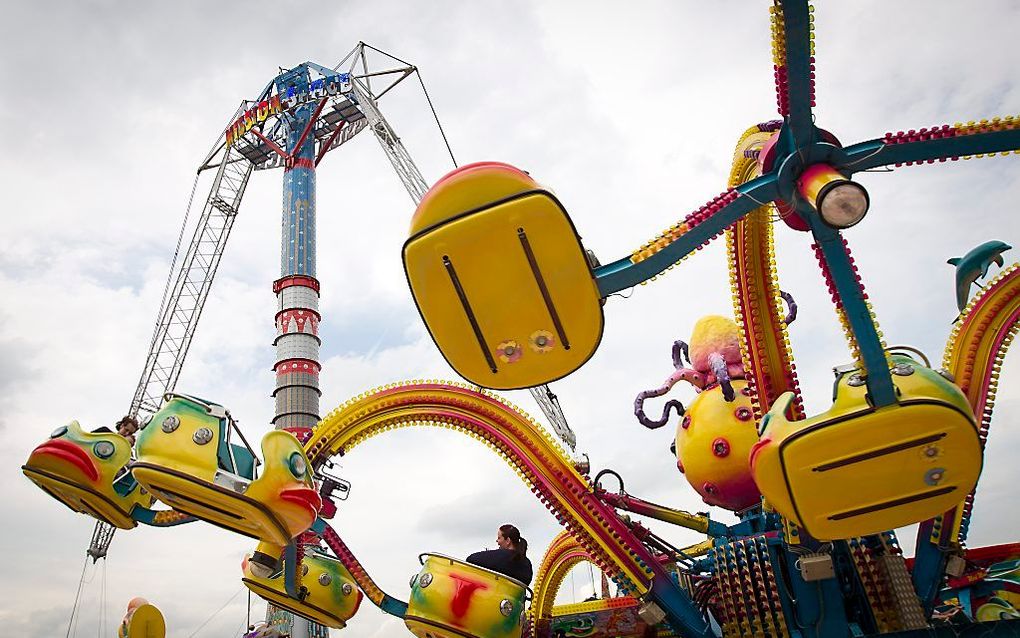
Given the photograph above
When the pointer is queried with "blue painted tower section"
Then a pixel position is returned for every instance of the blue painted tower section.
(297, 289)
(297, 252)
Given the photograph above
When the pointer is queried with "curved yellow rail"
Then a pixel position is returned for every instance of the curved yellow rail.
(974, 354)
(563, 554)
(535, 456)
(757, 305)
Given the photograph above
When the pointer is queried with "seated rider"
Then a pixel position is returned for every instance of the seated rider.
(127, 427)
(510, 559)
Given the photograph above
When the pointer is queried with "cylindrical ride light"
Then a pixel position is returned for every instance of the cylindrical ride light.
(841, 203)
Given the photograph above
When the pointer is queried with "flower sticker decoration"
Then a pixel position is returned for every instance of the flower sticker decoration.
(931, 452)
(509, 351)
(541, 341)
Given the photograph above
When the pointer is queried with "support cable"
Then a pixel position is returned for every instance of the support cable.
(389, 55)
(77, 597)
(102, 534)
(101, 627)
(177, 252)
(436, 116)
(216, 613)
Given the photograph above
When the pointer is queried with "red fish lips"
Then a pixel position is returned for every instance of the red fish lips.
(757, 448)
(71, 453)
(305, 497)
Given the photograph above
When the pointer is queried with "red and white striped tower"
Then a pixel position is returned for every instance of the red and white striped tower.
(297, 354)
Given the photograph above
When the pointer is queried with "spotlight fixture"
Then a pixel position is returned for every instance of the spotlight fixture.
(840, 202)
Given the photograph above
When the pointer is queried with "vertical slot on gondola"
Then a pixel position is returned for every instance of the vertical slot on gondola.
(470, 313)
(537, 274)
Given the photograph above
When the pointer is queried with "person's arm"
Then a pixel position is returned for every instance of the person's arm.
(488, 558)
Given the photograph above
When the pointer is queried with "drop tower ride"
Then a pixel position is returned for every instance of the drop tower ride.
(297, 290)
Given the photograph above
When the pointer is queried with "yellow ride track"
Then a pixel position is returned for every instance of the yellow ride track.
(563, 554)
(524, 445)
(974, 354)
(757, 306)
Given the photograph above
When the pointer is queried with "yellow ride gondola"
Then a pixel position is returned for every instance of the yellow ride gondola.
(329, 595)
(487, 237)
(454, 599)
(87, 471)
(856, 470)
(187, 460)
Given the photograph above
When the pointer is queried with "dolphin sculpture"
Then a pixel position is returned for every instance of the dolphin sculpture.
(974, 265)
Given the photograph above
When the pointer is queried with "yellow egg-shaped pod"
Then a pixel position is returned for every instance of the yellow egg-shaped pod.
(331, 597)
(145, 621)
(713, 441)
(856, 470)
(454, 599)
(79, 469)
(501, 279)
(185, 461)
(486, 182)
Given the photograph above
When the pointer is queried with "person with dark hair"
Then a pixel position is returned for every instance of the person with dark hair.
(510, 559)
(127, 427)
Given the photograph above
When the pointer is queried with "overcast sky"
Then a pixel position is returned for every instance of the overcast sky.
(629, 115)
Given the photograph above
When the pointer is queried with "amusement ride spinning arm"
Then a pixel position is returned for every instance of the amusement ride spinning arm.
(537, 459)
(800, 145)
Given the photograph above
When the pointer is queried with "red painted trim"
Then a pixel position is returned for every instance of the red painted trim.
(271, 143)
(289, 366)
(298, 162)
(308, 127)
(318, 316)
(296, 280)
(324, 147)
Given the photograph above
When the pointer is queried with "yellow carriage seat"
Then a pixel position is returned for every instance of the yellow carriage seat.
(87, 471)
(187, 460)
(454, 599)
(856, 470)
(500, 278)
(329, 594)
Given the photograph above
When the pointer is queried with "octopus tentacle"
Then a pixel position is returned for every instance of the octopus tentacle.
(722, 375)
(672, 404)
(791, 307)
(680, 348)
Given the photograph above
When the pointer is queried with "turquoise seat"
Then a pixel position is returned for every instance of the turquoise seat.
(124, 484)
(243, 464)
(245, 461)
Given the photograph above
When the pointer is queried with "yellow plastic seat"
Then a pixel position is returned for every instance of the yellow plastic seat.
(86, 472)
(454, 599)
(331, 596)
(501, 280)
(856, 470)
(185, 458)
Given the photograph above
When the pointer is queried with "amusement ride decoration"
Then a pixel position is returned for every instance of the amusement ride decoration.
(816, 495)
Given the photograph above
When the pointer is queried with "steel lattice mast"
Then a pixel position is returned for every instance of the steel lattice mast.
(178, 317)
